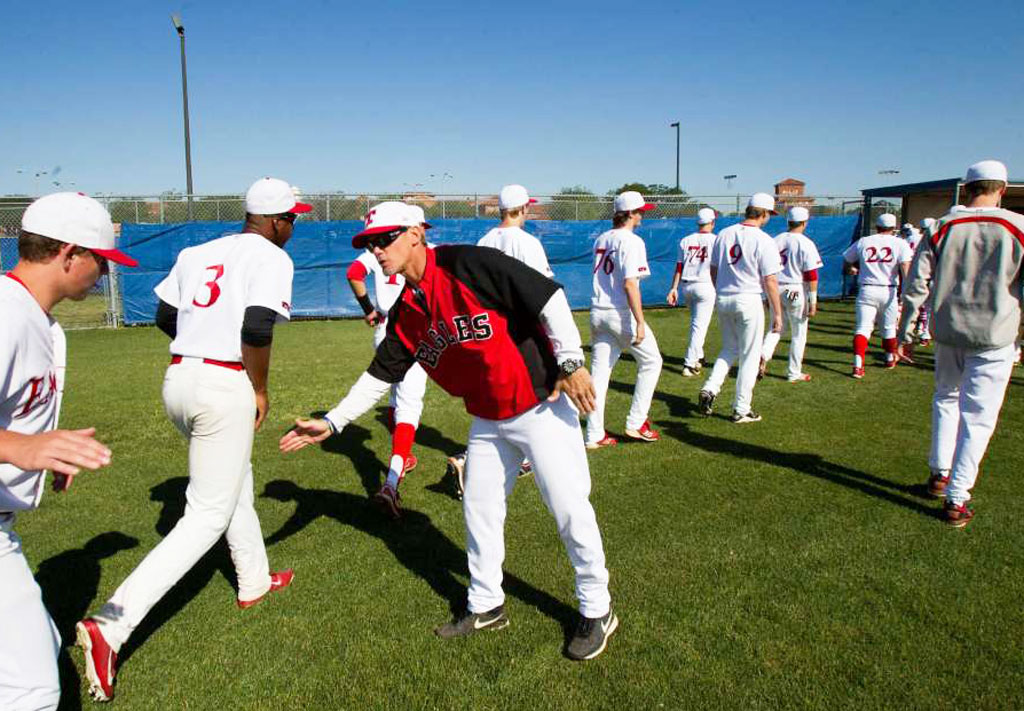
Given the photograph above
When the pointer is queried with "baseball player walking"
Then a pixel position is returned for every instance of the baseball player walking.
(970, 266)
(744, 262)
(63, 248)
(878, 260)
(693, 270)
(798, 292)
(617, 321)
(218, 304)
(406, 403)
(500, 335)
(509, 237)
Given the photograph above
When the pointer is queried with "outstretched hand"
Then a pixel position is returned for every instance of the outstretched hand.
(579, 388)
(64, 452)
(305, 432)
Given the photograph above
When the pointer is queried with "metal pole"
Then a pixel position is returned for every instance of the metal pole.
(676, 125)
(184, 106)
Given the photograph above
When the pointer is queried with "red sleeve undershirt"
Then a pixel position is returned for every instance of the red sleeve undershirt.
(356, 272)
(811, 275)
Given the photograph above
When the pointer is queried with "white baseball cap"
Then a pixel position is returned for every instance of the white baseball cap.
(513, 196)
(75, 218)
(886, 220)
(388, 216)
(798, 214)
(632, 200)
(271, 196)
(763, 201)
(927, 223)
(907, 227)
(706, 215)
(987, 170)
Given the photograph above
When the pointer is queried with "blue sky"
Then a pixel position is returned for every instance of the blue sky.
(375, 96)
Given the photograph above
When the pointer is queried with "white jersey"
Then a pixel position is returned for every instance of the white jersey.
(212, 284)
(878, 258)
(743, 256)
(694, 255)
(385, 288)
(518, 244)
(618, 255)
(31, 349)
(798, 255)
(914, 239)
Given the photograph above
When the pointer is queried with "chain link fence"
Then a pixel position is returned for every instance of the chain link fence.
(102, 308)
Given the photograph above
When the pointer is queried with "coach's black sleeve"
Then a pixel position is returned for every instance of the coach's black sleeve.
(392, 360)
(167, 319)
(258, 326)
(499, 281)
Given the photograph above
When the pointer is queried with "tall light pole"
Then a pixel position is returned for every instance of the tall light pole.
(676, 127)
(176, 19)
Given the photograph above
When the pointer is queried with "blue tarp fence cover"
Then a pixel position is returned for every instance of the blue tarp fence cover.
(322, 252)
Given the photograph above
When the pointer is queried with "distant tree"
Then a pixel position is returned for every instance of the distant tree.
(577, 202)
(574, 190)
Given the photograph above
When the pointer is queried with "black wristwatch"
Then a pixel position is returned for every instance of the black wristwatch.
(570, 366)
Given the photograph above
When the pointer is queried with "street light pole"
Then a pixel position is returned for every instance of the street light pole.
(176, 20)
(676, 127)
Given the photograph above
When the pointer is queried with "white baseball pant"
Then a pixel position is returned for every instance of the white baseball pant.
(794, 305)
(611, 332)
(214, 408)
(741, 318)
(969, 389)
(549, 436)
(29, 641)
(699, 297)
(406, 396)
(877, 306)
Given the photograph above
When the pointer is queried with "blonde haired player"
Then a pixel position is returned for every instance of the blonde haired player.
(970, 266)
(744, 263)
(617, 321)
(879, 260)
(693, 270)
(63, 248)
(798, 291)
(218, 304)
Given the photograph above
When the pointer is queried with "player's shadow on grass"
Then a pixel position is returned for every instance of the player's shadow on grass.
(414, 541)
(806, 463)
(69, 582)
(352, 443)
(218, 559)
(427, 436)
(678, 405)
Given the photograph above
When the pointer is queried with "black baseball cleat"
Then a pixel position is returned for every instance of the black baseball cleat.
(473, 622)
(706, 402)
(750, 416)
(591, 636)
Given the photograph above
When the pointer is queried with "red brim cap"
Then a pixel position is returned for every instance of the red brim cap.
(301, 207)
(359, 241)
(116, 256)
(647, 206)
(532, 201)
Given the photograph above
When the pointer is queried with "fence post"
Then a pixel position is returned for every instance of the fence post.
(136, 211)
(576, 204)
(161, 210)
(442, 208)
(476, 205)
(218, 210)
(328, 208)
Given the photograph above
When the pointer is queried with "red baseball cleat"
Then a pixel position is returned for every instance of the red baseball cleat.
(410, 463)
(890, 364)
(278, 581)
(857, 373)
(802, 378)
(602, 443)
(100, 660)
(644, 434)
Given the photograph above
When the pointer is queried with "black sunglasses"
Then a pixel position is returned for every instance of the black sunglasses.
(288, 217)
(383, 240)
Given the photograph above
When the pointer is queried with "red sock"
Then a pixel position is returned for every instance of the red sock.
(889, 345)
(860, 350)
(402, 439)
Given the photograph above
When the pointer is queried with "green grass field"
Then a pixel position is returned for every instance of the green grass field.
(787, 564)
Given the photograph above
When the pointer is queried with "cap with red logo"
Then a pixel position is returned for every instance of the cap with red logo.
(388, 216)
(75, 218)
(271, 196)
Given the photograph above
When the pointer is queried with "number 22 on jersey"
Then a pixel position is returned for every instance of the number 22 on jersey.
(215, 271)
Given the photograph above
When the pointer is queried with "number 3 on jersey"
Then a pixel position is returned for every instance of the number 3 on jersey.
(604, 261)
(217, 271)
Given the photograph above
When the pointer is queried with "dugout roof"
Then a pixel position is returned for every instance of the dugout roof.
(931, 198)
